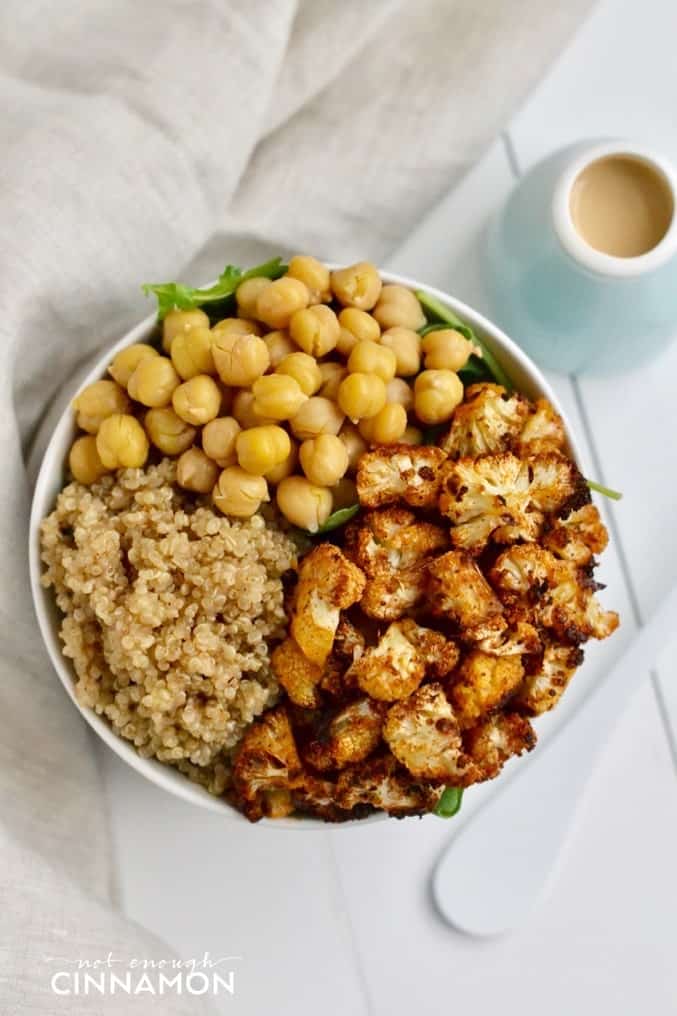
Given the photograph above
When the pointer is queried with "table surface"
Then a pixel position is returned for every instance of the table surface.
(341, 920)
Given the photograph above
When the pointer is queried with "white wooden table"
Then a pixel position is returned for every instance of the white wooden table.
(341, 921)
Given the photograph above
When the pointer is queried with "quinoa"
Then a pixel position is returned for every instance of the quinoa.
(169, 610)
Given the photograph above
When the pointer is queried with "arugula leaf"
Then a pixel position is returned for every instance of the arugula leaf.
(449, 803)
(171, 295)
(615, 495)
(339, 518)
(440, 316)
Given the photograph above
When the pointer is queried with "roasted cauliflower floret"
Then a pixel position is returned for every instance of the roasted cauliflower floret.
(277, 803)
(266, 760)
(440, 655)
(392, 669)
(543, 690)
(483, 685)
(458, 590)
(543, 431)
(516, 640)
(491, 743)
(316, 796)
(350, 736)
(400, 472)
(328, 583)
(522, 573)
(489, 419)
(384, 784)
(348, 641)
(423, 734)
(298, 675)
(578, 536)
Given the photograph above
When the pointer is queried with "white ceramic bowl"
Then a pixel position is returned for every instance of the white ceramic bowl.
(524, 374)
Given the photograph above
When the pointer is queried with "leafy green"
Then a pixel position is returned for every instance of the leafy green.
(437, 313)
(431, 435)
(339, 518)
(615, 495)
(449, 803)
(171, 295)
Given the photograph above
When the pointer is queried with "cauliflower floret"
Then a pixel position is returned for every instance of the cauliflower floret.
(523, 572)
(384, 784)
(488, 420)
(483, 685)
(520, 638)
(316, 796)
(328, 583)
(350, 736)
(298, 675)
(423, 734)
(577, 537)
(392, 669)
(266, 759)
(400, 473)
(392, 594)
(277, 803)
(440, 655)
(543, 690)
(490, 744)
(543, 431)
(458, 590)
(348, 641)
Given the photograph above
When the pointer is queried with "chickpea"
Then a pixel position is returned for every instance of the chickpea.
(153, 382)
(371, 358)
(406, 345)
(344, 494)
(363, 326)
(346, 342)
(121, 442)
(314, 274)
(316, 416)
(315, 329)
(277, 396)
(324, 459)
(197, 401)
(361, 396)
(262, 448)
(239, 493)
(447, 349)
(236, 326)
(181, 321)
(240, 359)
(304, 369)
(357, 285)
(218, 440)
(303, 504)
(191, 353)
(400, 392)
(279, 345)
(98, 401)
(355, 444)
(280, 300)
(127, 360)
(285, 468)
(412, 435)
(332, 376)
(84, 461)
(398, 308)
(386, 427)
(243, 410)
(247, 293)
(168, 432)
(436, 395)
(195, 471)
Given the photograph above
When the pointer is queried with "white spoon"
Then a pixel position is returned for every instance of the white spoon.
(493, 873)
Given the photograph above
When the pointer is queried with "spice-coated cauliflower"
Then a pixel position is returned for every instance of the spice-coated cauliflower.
(423, 734)
(484, 683)
(298, 675)
(543, 689)
(493, 741)
(458, 590)
(542, 432)
(400, 472)
(578, 536)
(383, 783)
(349, 736)
(328, 583)
(489, 419)
(266, 760)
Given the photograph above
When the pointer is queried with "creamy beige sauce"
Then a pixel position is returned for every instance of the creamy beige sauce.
(621, 206)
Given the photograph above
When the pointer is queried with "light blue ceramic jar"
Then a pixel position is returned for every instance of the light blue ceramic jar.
(571, 307)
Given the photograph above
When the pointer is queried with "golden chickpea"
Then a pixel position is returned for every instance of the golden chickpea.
(168, 432)
(324, 459)
(279, 345)
(361, 396)
(355, 444)
(239, 493)
(98, 401)
(153, 382)
(412, 435)
(262, 448)
(386, 427)
(191, 353)
(447, 349)
(316, 416)
(303, 504)
(406, 345)
(304, 369)
(243, 410)
(195, 471)
(127, 360)
(218, 440)
(357, 285)
(280, 300)
(285, 468)
(247, 293)
(398, 308)
(371, 358)
(236, 326)
(436, 395)
(332, 375)
(84, 461)
(122, 442)
(181, 321)
(363, 326)
(346, 342)
(315, 329)
(277, 396)
(344, 494)
(240, 359)
(197, 401)
(400, 392)
(314, 274)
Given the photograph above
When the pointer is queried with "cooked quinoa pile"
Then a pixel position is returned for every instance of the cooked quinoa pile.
(168, 611)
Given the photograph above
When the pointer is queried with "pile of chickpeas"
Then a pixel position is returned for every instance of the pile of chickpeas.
(316, 367)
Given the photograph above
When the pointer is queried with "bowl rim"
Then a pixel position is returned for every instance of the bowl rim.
(160, 774)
